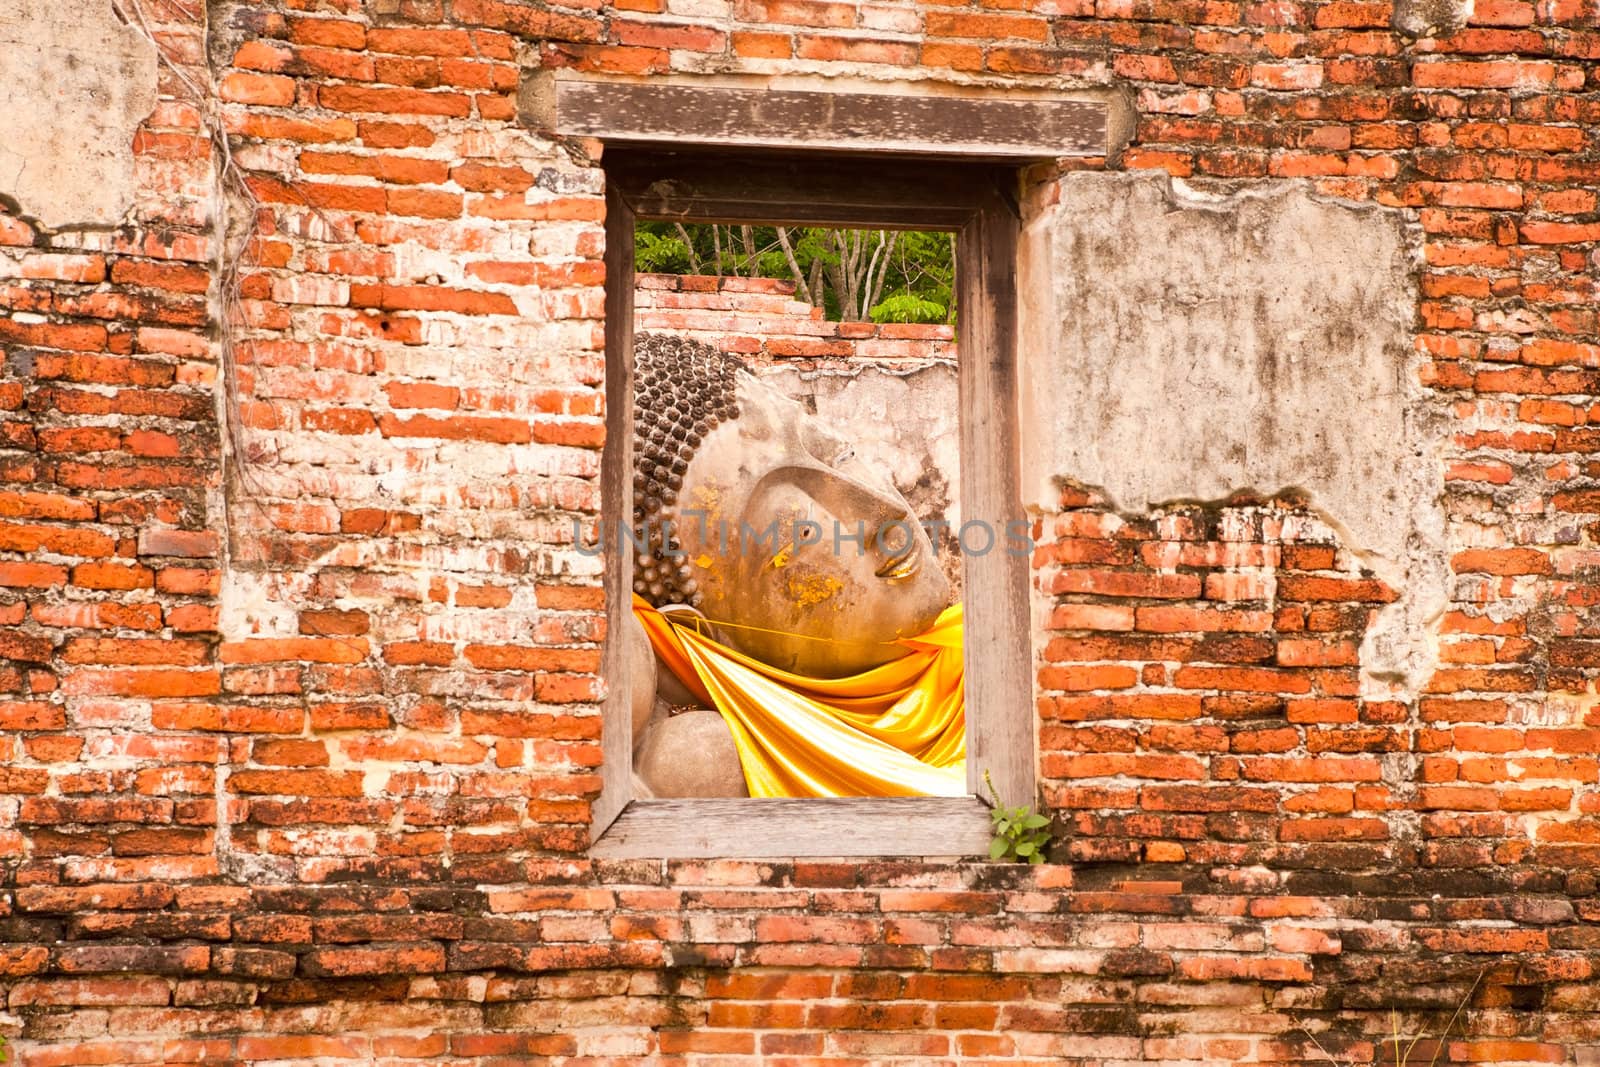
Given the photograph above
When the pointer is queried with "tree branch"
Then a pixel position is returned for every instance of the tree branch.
(688, 242)
(749, 237)
(802, 290)
(875, 293)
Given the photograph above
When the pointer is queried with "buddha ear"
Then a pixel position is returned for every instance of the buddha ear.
(764, 412)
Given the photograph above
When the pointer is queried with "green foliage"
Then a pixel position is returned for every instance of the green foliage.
(660, 253)
(925, 266)
(909, 307)
(842, 271)
(1021, 835)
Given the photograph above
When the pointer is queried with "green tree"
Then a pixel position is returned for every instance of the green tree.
(853, 275)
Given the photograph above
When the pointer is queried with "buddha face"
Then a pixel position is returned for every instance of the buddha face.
(807, 558)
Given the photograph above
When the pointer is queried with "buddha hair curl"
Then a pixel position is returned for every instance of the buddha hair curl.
(682, 390)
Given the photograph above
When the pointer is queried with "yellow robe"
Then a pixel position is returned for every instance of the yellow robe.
(893, 731)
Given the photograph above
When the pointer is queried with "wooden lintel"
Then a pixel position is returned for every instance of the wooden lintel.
(1006, 127)
(798, 190)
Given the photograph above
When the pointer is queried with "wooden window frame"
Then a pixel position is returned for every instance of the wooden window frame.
(977, 201)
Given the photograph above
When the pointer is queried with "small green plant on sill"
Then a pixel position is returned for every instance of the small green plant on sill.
(1021, 835)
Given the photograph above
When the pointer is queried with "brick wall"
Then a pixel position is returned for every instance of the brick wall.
(300, 760)
(761, 320)
(111, 527)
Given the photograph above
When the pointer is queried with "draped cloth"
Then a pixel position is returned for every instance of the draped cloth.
(895, 730)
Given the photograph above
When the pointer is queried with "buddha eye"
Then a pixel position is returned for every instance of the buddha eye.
(844, 457)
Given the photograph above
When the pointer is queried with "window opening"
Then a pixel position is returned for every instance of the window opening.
(796, 525)
(977, 203)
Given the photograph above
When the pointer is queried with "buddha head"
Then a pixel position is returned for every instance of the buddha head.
(762, 518)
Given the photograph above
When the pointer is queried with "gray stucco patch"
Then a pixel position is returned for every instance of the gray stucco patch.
(75, 82)
(1183, 347)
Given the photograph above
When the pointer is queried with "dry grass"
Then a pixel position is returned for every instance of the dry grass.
(1402, 1045)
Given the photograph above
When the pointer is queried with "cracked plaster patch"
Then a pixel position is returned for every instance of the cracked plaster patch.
(1183, 347)
(75, 83)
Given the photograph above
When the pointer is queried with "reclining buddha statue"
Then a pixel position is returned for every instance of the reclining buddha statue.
(792, 632)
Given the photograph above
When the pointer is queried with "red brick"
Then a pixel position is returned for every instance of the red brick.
(992, 27)
(393, 101)
(265, 90)
(685, 38)
(31, 574)
(398, 169)
(432, 298)
(855, 50)
(112, 576)
(297, 783)
(425, 203)
(293, 649)
(327, 32)
(460, 427)
(526, 21)
(766, 45)
(86, 992)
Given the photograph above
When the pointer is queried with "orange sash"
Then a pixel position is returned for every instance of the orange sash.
(895, 730)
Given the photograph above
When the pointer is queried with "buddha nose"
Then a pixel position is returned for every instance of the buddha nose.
(872, 502)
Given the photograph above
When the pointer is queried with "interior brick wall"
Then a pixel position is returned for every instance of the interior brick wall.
(300, 748)
(761, 321)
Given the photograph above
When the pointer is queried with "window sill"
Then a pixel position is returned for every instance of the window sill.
(748, 828)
